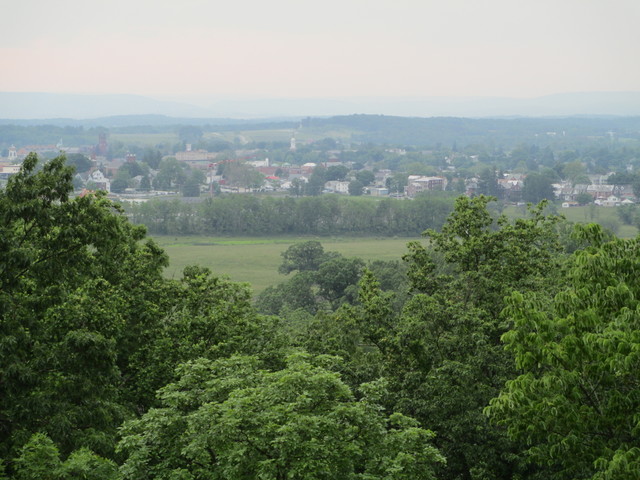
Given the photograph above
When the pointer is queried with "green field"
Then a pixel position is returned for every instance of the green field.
(256, 260)
(282, 135)
(145, 139)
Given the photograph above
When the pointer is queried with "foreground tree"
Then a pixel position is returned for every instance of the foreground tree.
(89, 328)
(442, 353)
(577, 399)
(64, 267)
(230, 420)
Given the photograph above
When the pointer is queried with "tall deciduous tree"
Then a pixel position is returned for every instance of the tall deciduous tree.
(442, 353)
(72, 276)
(231, 420)
(576, 403)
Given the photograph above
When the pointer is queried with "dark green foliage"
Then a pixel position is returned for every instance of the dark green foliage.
(442, 353)
(356, 188)
(336, 172)
(584, 198)
(92, 335)
(191, 187)
(89, 328)
(63, 265)
(305, 256)
(365, 177)
(321, 215)
(79, 161)
(537, 187)
(488, 183)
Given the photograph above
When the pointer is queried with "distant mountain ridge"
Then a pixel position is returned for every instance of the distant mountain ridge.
(69, 107)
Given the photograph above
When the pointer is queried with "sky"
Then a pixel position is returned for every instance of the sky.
(320, 49)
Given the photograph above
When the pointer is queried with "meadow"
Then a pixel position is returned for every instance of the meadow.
(256, 260)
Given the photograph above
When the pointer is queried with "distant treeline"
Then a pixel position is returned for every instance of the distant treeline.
(325, 215)
(506, 132)
(557, 132)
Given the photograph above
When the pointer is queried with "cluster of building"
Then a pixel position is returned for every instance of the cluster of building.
(282, 176)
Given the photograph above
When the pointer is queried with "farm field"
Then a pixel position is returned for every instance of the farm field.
(145, 139)
(256, 260)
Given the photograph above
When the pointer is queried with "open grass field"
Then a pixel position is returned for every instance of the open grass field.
(256, 260)
(281, 135)
(145, 139)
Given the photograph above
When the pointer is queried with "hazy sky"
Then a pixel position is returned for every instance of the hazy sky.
(328, 48)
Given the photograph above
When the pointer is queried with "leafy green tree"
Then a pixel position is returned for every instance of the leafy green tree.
(79, 161)
(145, 183)
(442, 351)
(39, 460)
(191, 187)
(119, 184)
(338, 278)
(297, 187)
(576, 400)
(537, 187)
(305, 256)
(573, 171)
(488, 183)
(231, 419)
(356, 188)
(336, 172)
(152, 157)
(297, 293)
(366, 177)
(627, 213)
(584, 198)
(242, 175)
(73, 274)
(316, 182)
(170, 175)
(397, 182)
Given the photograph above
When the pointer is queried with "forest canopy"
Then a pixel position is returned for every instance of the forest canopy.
(509, 349)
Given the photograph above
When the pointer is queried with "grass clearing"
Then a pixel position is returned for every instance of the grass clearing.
(256, 260)
(145, 139)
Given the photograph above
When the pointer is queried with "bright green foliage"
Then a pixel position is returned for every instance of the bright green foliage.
(39, 460)
(495, 256)
(229, 420)
(85, 465)
(577, 400)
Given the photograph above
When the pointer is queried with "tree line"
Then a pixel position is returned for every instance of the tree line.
(509, 350)
(323, 215)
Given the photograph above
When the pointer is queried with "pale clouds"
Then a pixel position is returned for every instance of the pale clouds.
(286, 48)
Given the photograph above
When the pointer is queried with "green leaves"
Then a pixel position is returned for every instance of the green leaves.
(577, 400)
(229, 420)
